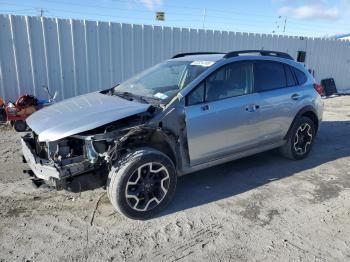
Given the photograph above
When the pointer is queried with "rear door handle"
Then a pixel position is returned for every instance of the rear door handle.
(205, 108)
(252, 108)
(295, 96)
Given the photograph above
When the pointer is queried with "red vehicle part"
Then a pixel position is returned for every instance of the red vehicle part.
(318, 88)
(17, 113)
(26, 101)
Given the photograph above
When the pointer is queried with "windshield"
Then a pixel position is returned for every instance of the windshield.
(163, 81)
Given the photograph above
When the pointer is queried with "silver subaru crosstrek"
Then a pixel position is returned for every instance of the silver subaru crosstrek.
(191, 112)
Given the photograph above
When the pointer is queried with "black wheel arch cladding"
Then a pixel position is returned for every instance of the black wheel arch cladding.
(307, 111)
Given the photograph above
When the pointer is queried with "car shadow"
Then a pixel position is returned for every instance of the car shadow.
(233, 178)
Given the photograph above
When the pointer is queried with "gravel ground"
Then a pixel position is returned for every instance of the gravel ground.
(261, 208)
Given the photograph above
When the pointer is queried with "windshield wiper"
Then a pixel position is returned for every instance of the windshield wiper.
(126, 95)
(142, 99)
(131, 96)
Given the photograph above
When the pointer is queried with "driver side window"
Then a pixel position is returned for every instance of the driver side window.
(196, 96)
(231, 80)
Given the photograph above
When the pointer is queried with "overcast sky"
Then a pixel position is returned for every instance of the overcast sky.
(304, 17)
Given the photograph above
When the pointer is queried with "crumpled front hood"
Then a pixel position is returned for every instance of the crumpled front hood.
(79, 114)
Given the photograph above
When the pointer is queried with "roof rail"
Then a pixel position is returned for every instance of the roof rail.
(261, 52)
(196, 53)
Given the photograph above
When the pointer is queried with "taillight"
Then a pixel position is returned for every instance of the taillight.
(318, 88)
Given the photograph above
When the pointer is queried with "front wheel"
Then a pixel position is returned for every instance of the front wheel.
(142, 183)
(300, 139)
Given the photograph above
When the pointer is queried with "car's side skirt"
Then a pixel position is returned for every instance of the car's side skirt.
(229, 158)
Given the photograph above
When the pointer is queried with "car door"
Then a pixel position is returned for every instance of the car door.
(221, 114)
(278, 91)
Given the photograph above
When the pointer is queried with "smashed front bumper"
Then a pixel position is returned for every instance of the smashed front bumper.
(41, 168)
(49, 172)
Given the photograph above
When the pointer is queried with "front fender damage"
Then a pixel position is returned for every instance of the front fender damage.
(89, 156)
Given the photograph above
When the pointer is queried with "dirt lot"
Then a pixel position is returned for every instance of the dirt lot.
(261, 208)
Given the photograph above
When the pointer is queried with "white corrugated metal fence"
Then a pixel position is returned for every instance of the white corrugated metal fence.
(78, 56)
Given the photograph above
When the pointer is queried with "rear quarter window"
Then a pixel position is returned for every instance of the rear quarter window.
(301, 76)
(291, 81)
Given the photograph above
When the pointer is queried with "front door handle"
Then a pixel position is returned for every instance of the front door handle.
(295, 96)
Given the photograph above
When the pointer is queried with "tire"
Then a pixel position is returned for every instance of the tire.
(20, 126)
(137, 192)
(300, 139)
(3, 116)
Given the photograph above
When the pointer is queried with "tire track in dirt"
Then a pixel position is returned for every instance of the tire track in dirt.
(198, 238)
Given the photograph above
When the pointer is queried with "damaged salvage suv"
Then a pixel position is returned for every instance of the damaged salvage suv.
(191, 112)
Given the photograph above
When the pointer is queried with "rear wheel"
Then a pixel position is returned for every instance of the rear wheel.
(300, 139)
(20, 126)
(142, 183)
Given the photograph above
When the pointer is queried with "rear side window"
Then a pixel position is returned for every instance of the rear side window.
(300, 76)
(290, 76)
(268, 76)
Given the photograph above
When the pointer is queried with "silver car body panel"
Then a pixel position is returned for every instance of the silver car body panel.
(79, 114)
(226, 127)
